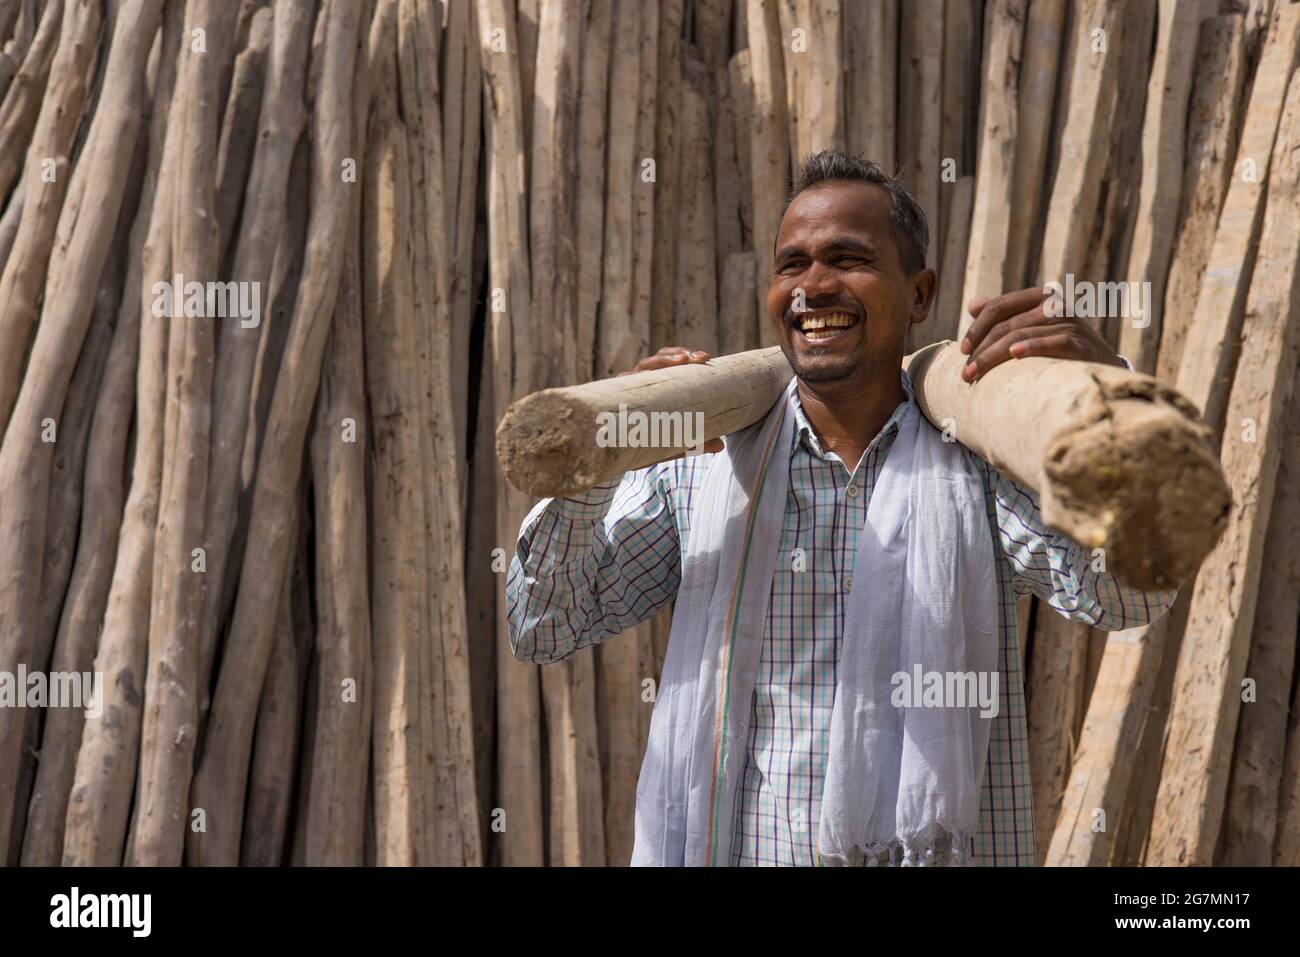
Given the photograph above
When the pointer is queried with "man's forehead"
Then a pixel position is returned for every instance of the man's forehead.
(833, 208)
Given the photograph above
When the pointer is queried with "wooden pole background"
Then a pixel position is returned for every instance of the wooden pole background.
(266, 509)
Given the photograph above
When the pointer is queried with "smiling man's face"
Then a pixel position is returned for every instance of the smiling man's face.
(836, 245)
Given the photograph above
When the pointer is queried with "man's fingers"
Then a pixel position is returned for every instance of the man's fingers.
(667, 357)
(996, 310)
(1007, 327)
(1055, 346)
(976, 304)
(1007, 347)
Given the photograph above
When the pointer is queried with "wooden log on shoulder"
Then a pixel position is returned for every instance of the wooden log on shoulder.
(1118, 461)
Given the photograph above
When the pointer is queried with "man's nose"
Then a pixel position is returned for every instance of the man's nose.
(820, 282)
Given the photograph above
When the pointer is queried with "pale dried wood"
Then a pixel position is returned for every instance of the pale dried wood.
(519, 778)
(575, 818)
(67, 473)
(100, 802)
(712, 31)
(46, 180)
(920, 105)
(1205, 371)
(948, 306)
(990, 224)
(737, 330)
(239, 126)
(960, 75)
(270, 774)
(1207, 165)
(663, 105)
(1113, 226)
(83, 610)
(870, 88)
(461, 119)
(1040, 61)
(397, 517)
(822, 106)
(769, 144)
(1073, 210)
(449, 796)
(695, 316)
(1162, 173)
(22, 101)
(337, 785)
(220, 780)
(169, 731)
(280, 122)
(1057, 665)
(597, 41)
(1258, 788)
(1212, 660)
(15, 48)
(740, 92)
(24, 459)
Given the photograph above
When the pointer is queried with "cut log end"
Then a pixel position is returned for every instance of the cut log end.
(1138, 478)
(544, 447)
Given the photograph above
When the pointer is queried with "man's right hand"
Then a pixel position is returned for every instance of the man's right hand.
(668, 357)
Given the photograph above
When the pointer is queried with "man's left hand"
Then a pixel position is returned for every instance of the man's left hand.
(1015, 325)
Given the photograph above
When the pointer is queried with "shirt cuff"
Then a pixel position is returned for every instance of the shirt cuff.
(591, 505)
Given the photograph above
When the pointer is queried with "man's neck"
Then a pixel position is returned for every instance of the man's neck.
(847, 415)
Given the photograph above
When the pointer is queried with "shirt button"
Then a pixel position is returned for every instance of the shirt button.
(852, 490)
(848, 583)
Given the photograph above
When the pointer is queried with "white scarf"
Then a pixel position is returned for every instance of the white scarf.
(900, 782)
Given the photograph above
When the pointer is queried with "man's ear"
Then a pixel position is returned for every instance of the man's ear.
(924, 285)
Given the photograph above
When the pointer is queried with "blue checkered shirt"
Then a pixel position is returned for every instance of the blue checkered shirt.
(590, 567)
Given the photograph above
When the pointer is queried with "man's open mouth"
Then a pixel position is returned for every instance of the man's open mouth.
(821, 326)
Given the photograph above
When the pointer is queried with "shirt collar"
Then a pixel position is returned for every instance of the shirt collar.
(804, 431)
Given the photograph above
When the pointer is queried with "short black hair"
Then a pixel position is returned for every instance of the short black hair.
(911, 231)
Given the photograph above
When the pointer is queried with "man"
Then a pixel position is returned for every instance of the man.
(780, 736)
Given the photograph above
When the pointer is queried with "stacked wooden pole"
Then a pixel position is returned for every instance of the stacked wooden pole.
(283, 543)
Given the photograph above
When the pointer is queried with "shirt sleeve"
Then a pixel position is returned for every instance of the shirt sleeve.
(589, 567)
(1061, 572)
